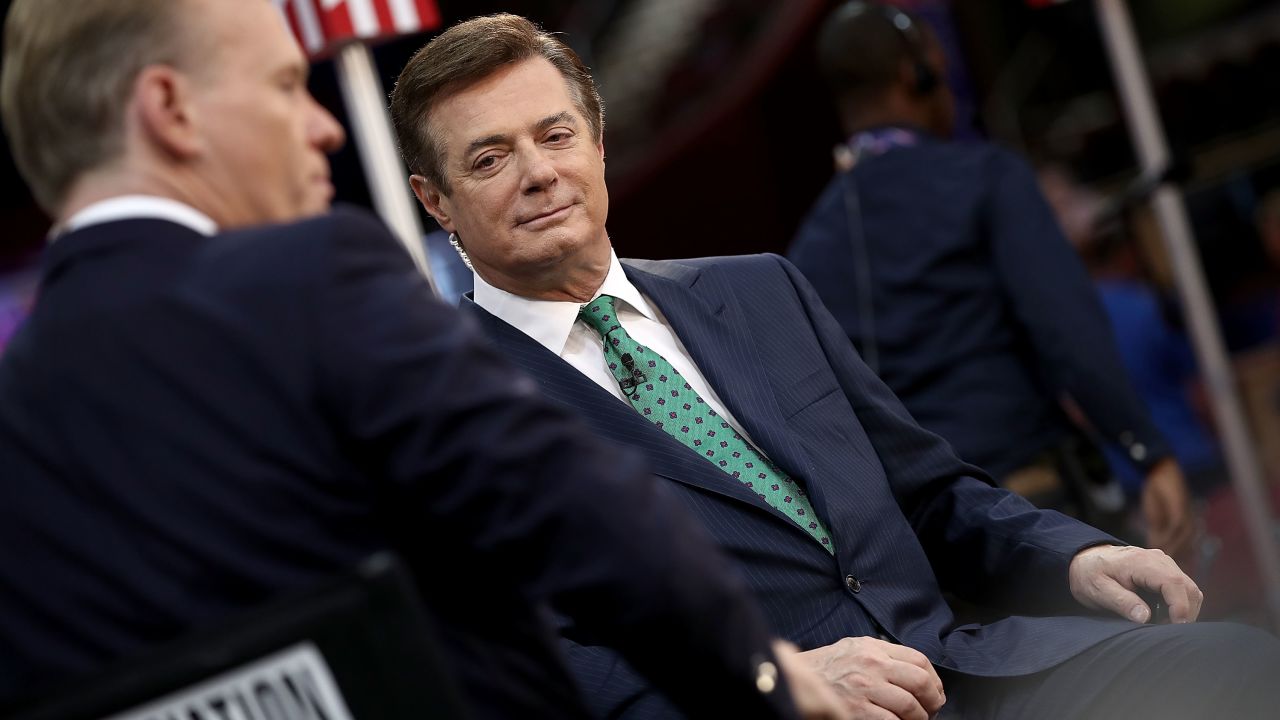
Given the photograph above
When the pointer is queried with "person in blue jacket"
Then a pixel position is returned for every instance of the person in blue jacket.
(945, 267)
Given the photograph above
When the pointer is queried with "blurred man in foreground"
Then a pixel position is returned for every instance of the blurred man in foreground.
(846, 518)
(204, 412)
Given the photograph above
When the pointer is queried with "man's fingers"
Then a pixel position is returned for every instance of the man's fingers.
(1184, 600)
(912, 671)
(911, 656)
(907, 655)
(917, 675)
(875, 674)
(1157, 571)
(865, 710)
(901, 703)
(1106, 577)
(922, 683)
(1110, 595)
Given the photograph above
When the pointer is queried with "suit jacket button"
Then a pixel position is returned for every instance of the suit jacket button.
(853, 583)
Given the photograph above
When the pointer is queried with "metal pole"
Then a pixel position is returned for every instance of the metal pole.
(366, 105)
(1153, 154)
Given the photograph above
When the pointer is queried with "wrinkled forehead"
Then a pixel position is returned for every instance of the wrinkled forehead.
(512, 99)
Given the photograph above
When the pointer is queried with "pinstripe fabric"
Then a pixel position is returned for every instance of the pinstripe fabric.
(908, 518)
(661, 393)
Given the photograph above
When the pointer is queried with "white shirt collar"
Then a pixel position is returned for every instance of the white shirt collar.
(549, 322)
(130, 207)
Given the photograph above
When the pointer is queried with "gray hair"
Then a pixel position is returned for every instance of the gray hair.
(67, 73)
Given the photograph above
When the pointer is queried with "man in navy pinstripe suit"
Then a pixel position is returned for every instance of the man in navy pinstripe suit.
(504, 137)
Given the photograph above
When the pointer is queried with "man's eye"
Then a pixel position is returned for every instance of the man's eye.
(291, 83)
(486, 162)
(558, 136)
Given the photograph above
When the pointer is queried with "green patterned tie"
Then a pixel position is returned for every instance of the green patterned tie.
(658, 392)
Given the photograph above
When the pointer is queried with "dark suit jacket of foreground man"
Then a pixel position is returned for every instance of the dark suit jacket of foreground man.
(908, 518)
(192, 425)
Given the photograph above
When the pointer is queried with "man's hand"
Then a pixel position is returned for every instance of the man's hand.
(814, 698)
(1166, 505)
(1105, 577)
(877, 679)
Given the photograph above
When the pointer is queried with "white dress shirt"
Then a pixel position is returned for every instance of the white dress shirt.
(554, 325)
(133, 207)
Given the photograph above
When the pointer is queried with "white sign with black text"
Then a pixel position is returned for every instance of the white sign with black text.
(293, 684)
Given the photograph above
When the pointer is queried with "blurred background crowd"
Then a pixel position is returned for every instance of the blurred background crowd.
(720, 139)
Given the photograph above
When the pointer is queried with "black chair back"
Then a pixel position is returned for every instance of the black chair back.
(359, 649)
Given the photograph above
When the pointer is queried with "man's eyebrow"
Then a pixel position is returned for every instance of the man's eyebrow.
(478, 143)
(561, 117)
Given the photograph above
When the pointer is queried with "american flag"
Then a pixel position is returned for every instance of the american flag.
(323, 25)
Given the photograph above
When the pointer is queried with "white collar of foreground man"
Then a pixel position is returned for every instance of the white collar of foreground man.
(549, 322)
(135, 207)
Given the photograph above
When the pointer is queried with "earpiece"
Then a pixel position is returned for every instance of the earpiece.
(926, 79)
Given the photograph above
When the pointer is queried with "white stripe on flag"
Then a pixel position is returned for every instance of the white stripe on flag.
(364, 19)
(308, 25)
(405, 15)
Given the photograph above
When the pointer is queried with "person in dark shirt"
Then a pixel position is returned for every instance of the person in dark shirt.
(944, 265)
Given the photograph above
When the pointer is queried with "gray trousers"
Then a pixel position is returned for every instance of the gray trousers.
(1161, 672)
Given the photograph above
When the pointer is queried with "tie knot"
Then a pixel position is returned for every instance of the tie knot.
(599, 314)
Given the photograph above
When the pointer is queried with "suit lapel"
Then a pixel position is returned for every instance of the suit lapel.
(608, 416)
(701, 307)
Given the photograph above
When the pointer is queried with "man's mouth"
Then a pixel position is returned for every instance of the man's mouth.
(549, 217)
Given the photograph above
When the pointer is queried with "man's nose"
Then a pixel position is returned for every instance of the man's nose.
(324, 130)
(539, 172)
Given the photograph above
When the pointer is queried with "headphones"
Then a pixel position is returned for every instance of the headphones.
(926, 79)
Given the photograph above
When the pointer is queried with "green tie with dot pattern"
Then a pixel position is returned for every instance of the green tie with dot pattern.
(660, 393)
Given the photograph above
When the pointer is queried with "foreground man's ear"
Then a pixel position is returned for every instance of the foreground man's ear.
(160, 109)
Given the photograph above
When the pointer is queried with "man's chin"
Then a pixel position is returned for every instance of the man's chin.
(570, 254)
(318, 199)
(312, 209)
(565, 237)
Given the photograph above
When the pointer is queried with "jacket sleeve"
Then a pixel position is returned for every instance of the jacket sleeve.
(612, 688)
(518, 492)
(1055, 303)
(985, 544)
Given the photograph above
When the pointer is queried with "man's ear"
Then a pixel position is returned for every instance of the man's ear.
(432, 200)
(161, 106)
